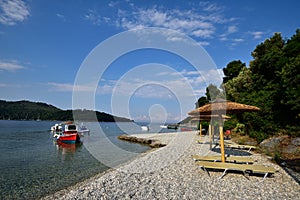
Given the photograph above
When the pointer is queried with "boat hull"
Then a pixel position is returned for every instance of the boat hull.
(69, 138)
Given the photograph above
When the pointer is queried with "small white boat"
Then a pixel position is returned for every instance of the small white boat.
(83, 130)
(145, 128)
(163, 126)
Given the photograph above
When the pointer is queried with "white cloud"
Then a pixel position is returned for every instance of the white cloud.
(257, 34)
(232, 29)
(68, 87)
(203, 33)
(10, 66)
(93, 16)
(60, 16)
(238, 40)
(13, 11)
(210, 7)
(200, 22)
(184, 21)
(162, 89)
(204, 43)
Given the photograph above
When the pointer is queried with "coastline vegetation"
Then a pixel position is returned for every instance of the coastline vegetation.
(26, 110)
(270, 82)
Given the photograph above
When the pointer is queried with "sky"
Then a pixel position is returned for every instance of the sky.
(46, 48)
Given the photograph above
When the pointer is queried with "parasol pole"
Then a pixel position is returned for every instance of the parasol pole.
(200, 129)
(213, 132)
(210, 138)
(221, 139)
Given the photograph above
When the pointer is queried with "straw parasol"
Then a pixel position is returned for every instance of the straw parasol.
(219, 107)
(222, 107)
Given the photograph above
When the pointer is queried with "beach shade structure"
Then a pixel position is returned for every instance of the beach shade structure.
(220, 107)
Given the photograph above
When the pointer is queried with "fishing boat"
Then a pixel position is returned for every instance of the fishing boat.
(68, 134)
(69, 138)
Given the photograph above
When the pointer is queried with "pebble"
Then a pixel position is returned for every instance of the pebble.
(170, 173)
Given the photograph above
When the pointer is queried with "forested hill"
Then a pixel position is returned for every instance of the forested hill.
(26, 110)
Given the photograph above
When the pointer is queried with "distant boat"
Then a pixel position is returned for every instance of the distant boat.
(163, 126)
(83, 130)
(145, 128)
(172, 126)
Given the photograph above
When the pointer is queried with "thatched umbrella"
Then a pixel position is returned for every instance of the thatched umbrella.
(219, 107)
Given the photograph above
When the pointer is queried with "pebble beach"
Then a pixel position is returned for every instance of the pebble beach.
(171, 173)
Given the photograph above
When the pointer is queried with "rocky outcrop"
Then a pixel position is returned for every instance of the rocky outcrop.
(149, 142)
(285, 150)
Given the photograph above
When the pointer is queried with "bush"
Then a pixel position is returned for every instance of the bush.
(258, 135)
(230, 124)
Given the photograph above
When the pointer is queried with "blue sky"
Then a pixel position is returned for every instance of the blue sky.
(43, 44)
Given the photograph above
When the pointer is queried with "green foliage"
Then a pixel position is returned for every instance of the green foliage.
(258, 135)
(236, 87)
(232, 70)
(230, 124)
(272, 83)
(240, 128)
(25, 110)
(201, 102)
(213, 92)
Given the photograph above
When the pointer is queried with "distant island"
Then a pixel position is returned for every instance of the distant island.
(26, 110)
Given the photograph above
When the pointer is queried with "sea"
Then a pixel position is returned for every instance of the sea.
(33, 165)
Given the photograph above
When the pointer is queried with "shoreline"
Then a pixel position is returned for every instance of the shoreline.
(170, 173)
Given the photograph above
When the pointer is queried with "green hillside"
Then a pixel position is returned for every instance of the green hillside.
(26, 110)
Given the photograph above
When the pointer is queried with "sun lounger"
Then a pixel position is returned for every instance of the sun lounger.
(230, 159)
(230, 144)
(206, 165)
(251, 169)
(261, 169)
(238, 146)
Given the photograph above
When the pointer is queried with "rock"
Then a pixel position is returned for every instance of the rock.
(285, 146)
(149, 142)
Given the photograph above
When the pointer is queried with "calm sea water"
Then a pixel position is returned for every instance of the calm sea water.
(33, 165)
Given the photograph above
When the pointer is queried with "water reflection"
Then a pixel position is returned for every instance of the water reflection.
(66, 151)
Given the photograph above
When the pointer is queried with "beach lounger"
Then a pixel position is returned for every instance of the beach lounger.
(206, 166)
(202, 142)
(239, 146)
(251, 169)
(230, 159)
(230, 144)
(261, 169)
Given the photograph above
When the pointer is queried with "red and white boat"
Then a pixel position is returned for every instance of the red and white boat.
(68, 135)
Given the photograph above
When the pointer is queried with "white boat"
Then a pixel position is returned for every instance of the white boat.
(145, 128)
(56, 128)
(163, 126)
(83, 130)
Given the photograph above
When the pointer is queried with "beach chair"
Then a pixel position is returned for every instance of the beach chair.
(250, 169)
(207, 165)
(261, 169)
(230, 159)
(239, 146)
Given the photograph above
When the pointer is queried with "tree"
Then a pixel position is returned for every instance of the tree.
(201, 102)
(238, 86)
(213, 92)
(232, 70)
(268, 61)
